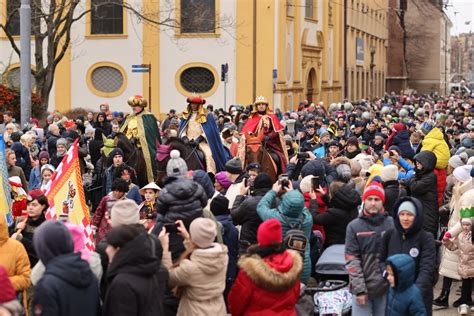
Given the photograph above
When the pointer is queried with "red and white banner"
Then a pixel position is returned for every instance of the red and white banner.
(65, 194)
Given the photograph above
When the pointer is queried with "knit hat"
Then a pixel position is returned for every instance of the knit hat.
(46, 237)
(234, 166)
(124, 212)
(43, 155)
(458, 160)
(408, 206)
(344, 173)
(463, 173)
(374, 188)
(269, 232)
(116, 152)
(220, 205)
(352, 141)
(34, 194)
(63, 142)
(48, 167)
(305, 184)
(389, 173)
(203, 231)
(262, 181)
(223, 180)
(77, 234)
(176, 166)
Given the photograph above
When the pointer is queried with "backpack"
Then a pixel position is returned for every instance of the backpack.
(295, 238)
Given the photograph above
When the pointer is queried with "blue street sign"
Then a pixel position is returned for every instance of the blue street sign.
(140, 66)
(141, 70)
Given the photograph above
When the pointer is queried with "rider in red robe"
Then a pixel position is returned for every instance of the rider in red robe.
(262, 117)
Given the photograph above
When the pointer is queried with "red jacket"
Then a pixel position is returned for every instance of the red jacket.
(441, 175)
(268, 286)
(322, 208)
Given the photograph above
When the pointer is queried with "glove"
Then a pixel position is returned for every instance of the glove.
(447, 235)
(185, 139)
(199, 139)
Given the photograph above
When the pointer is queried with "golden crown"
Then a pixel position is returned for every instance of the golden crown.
(261, 100)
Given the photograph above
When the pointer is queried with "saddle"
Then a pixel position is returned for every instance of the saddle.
(163, 152)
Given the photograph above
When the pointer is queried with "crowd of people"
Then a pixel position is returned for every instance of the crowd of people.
(240, 230)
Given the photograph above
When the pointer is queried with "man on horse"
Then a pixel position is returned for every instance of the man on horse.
(200, 129)
(141, 128)
(262, 120)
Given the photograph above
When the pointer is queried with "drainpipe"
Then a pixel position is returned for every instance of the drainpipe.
(345, 51)
(254, 53)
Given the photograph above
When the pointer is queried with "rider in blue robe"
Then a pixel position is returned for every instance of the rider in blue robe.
(196, 120)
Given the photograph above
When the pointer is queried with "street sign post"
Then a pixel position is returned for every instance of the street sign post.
(145, 68)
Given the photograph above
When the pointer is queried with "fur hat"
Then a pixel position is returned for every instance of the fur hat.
(176, 166)
(269, 232)
(389, 173)
(203, 231)
(234, 166)
(124, 212)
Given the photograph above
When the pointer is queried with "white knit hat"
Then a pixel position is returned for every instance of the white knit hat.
(305, 184)
(389, 173)
(203, 231)
(463, 173)
(124, 212)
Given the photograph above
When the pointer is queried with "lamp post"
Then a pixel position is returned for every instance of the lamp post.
(25, 62)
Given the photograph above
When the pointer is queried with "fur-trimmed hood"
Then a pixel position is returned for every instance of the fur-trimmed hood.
(340, 161)
(276, 273)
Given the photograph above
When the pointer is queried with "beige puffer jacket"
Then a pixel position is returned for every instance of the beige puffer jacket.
(466, 249)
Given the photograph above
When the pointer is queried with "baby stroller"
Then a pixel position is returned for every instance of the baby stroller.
(332, 295)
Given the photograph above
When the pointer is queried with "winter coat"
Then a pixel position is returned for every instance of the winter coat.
(95, 146)
(423, 187)
(392, 193)
(14, 258)
(363, 242)
(134, 194)
(182, 199)
(318, 205)
(51, 141)
(136, 280)
(267, 286)
(202, 281)
(56, 160)
(292, 211)
(405, 298)
(102, 215)
(341, 211)
(463, 242)
(26, 237)
(244, 213)
(230, 235)
(417, 243)
(67, 287)
(35, 179)
(434, 141)
(402, 141)
(22, 157)
(440, 183)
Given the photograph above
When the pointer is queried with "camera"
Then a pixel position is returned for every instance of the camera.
(302, 156)
(284, 180)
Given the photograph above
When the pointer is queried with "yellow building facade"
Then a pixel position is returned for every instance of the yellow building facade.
(366, 48)
(285, 50)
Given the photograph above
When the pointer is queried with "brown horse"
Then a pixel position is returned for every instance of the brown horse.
(133, 157)
(255, 152)
(189, 153)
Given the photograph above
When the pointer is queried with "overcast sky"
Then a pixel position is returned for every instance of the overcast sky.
(465, 14)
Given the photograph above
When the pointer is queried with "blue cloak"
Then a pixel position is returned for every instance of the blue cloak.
(219, 154)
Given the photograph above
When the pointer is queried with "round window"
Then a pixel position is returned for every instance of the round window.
(107, 79)
(197, 79)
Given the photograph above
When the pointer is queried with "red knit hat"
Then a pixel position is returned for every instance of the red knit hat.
(269, 232)
(374, 188)
(7, 293)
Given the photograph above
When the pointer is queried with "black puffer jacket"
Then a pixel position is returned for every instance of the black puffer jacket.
(417, 243)
(244, 212)
(136, 280)
(341, 211)
(392, 193)
(181, 199)
(423, 186)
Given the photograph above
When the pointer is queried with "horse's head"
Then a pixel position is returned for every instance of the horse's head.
(253, 152)
(124, 143)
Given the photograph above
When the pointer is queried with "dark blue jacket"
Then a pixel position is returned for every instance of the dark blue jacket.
(402, 141)
(230, 234)
(417, 243)
(68, 287)
(405, 298)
